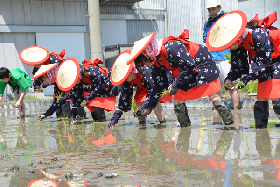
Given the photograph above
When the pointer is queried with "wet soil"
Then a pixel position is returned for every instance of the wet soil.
(54, 153)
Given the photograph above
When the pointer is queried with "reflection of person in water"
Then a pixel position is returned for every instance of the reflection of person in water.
(264, 148)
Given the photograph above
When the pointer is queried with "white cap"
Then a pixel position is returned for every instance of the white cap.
(213, 3)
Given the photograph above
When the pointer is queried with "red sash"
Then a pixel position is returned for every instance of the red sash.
(274, 35)
(191, 47)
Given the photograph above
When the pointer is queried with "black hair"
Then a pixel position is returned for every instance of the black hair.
(252, 25)
(139, 61)
(83, 70)
(4, 73)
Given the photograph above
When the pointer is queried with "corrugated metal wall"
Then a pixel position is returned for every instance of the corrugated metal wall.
(39, 13)
(260, 7)
(46, 12)
(187, 14)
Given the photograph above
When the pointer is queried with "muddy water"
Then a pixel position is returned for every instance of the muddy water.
(53, 153)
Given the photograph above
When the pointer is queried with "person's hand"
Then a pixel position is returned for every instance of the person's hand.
(228, 84)
(83, 103)
(172, 90)
(145, 112)
(17, 105)
(36, 88)
(111, 126)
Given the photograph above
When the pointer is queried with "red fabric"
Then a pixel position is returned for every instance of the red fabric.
(60, 56)
(256, 18)
(199, 91)
(107, 103)
(192, 48)
(96, 62)
(269, 20)
(269, 89)
(166, 98)
(107, 139)
(274, 35)
(209, 164)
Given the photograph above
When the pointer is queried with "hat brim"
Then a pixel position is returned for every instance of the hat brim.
(120, 69)
(43, 70)
(139, 46)
(226, 31)
(34, 55)
(68, 74)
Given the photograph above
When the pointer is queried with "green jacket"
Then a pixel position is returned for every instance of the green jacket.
(19, 80)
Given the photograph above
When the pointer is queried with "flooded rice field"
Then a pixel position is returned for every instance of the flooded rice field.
(54, 153)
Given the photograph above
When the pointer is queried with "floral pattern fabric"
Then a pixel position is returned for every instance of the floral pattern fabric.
(263, 67)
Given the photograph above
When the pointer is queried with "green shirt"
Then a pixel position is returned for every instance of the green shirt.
(19, 80)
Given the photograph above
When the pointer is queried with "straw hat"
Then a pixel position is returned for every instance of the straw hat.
(120, 68)
(34, 55)
(139, 46)
(44, 69)
(67, 74)
(226, 31)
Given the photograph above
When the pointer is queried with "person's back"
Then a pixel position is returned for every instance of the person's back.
(19, 81)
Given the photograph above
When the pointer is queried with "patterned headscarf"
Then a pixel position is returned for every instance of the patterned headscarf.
(153, 49)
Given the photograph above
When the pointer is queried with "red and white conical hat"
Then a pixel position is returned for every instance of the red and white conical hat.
(34, 55)
(43, 70)
(139, 46)
(226, 31)
(67, 74)
(120, 68)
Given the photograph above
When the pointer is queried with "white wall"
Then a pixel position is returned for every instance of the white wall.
(73, 43)
(113, 32)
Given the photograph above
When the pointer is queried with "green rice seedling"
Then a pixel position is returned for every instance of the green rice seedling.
(29, 97)
(59, 95)
(228, 56)
(251, 87)
(187, 176)
(239, 84)
(83, 102)
(134, 105)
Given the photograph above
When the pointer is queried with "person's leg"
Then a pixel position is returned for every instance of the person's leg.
(181, 112)
(81, 113)
(20, 96)
(74, 113)
(98, 114)
(222, 108)
(66, 109)
(276, 107)
(159, 113)
(234, 94)
(142, 120)
(261, 113)
(217, 118)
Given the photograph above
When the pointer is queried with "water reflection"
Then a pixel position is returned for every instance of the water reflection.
(203, 154)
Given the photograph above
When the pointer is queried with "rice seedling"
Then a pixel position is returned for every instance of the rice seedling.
(134, 105)
(228, 56)
(59, 95)
(239, 84)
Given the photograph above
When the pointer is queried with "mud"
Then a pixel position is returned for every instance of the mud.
(54, 153)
